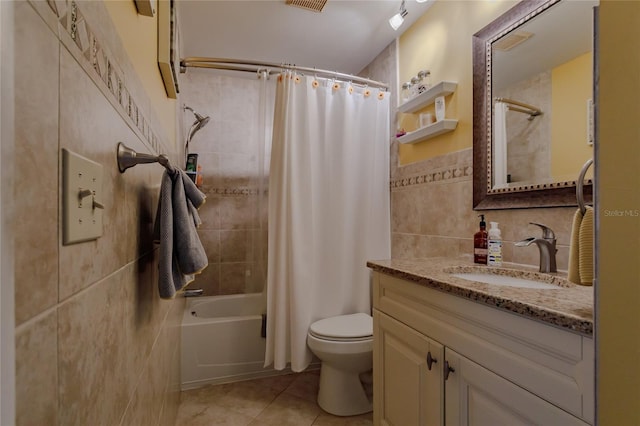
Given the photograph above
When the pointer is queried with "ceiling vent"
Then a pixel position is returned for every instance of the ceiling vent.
(510, 41)
(315, 5)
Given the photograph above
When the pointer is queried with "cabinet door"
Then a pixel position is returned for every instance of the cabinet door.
(408, 385)
(476, 396)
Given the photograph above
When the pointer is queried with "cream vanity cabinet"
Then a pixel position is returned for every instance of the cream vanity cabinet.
(440, 359)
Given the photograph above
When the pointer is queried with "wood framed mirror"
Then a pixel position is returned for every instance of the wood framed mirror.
(530, 26)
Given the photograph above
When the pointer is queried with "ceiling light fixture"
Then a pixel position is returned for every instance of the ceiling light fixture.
(421, 1)
(396, 20)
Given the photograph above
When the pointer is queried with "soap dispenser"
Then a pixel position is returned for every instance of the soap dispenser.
(480, 243)
(494, 256)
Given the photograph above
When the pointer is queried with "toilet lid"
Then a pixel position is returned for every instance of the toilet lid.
(352, 326)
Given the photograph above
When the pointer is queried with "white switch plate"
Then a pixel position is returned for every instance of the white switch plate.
(82, 216)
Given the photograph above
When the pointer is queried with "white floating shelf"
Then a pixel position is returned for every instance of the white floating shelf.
(443, 88)
(430, 131)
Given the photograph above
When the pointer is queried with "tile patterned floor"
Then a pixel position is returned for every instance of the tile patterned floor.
(288, 400)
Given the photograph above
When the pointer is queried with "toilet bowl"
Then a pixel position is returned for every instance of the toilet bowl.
(344, 345)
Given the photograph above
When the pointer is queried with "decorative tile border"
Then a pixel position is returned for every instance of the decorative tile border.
(232, 191)
(105, 68)
(449, 174)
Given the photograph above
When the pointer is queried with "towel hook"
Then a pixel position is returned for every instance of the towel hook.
(128, 158)
(580, 185)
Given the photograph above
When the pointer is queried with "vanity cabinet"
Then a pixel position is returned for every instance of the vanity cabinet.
(440, 359)
(408, 375)
(423, 100)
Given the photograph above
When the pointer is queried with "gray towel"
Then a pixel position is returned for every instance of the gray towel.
(181, 252)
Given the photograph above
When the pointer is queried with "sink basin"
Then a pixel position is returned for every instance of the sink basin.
(503, 280)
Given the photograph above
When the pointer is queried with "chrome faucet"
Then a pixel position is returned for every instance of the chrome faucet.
(546, 246)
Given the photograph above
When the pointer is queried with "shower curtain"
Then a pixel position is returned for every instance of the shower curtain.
(328, 207)
(499, 148)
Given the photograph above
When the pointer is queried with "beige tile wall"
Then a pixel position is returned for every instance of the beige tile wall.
(528, 147)
(227, 149)
(94, 343)
(432, 215)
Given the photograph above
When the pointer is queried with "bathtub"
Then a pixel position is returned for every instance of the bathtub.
(221, 340)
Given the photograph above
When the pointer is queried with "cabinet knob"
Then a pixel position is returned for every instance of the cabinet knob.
(448, 369)
(430, 360)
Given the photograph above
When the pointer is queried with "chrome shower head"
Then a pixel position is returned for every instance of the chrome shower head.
(200, 122)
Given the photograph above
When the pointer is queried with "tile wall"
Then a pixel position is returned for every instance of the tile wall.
(529, 147)
(432, 215)
(234, 228)
(94, 343)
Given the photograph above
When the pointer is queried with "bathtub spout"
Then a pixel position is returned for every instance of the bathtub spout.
(193, 293)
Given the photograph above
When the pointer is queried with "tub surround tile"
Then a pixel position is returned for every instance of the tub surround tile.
(235, 246)
(210, 240)
(37, 371)
(228, 152)
(36, 168)
(570, 307)
(208, 280)
(235, 278)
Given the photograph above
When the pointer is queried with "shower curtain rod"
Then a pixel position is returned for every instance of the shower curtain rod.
(271, 68)
(530, 109)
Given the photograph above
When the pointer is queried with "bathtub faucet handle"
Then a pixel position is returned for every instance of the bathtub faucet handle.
(193, 293)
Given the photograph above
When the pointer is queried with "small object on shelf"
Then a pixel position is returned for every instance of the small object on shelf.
(443, 88)
(439, 108)
(199, 176)
(406, 91)
(415, 81)
(192, 166)
(400, 132)
(425, 77)
(426, 119)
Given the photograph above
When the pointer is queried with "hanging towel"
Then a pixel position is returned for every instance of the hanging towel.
(574, 256)
(585, 248)
(181, 252)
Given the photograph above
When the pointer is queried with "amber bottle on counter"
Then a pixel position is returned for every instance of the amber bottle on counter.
(480, 243)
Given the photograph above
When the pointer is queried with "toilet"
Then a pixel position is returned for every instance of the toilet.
(344, 345)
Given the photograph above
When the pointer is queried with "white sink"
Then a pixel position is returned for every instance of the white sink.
(503, 280)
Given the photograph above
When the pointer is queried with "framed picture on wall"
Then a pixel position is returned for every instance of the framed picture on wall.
(168, 55)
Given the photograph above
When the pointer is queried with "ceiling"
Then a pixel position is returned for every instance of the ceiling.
(345, 37)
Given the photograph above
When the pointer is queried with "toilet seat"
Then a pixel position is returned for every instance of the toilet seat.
(344, 328)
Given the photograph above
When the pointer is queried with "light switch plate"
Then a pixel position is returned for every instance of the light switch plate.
(82, 211)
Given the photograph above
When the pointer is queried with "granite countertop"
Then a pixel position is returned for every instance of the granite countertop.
(569, 306)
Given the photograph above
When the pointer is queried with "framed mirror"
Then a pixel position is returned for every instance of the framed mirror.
(532, 105)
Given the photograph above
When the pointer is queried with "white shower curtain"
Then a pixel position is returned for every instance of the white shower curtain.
(499, 148)
(328, 207)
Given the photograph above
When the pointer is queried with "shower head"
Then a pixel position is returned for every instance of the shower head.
(200, 122)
